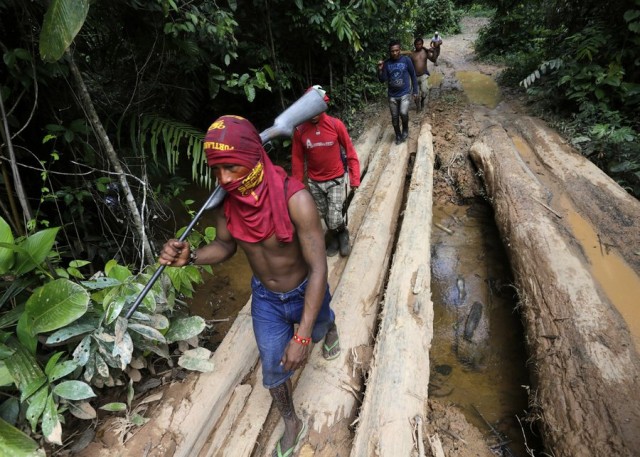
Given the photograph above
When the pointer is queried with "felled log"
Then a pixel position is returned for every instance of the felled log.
(327, 391)
(396, 388)
(584, 362)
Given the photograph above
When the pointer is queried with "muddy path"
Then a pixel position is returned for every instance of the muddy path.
(404, 237)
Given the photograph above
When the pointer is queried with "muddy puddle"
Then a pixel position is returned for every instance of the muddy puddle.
(478, 358)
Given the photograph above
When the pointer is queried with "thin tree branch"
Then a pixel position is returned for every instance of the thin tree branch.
(17, 182)
(102, 136)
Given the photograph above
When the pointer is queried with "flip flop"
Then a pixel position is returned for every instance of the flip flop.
(326, 350)
(277, 452)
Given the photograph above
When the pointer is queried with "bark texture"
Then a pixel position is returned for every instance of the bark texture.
(396, 391)
(583, 359)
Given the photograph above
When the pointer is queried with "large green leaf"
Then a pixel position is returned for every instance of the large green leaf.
(34, 250)
(74, 390)
(14, 443)
(183, 329)
(23, 367)
(62, 369)
(36, 406)
(62, 21)
(5, 377)
(51, 426)
(6, 255)
(54, 305)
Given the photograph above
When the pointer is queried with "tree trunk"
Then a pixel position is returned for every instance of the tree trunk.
(103, 138)
(584, 360)
(328, 391)
(396, 387)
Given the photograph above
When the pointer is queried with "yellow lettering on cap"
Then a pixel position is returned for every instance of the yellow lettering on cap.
(217, 125)
(218, 146)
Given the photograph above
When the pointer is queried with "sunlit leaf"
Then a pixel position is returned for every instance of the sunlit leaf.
(197, 359)
(185, 328)
(114, 407)
(62, 21)
(7, 256)
(63, 369)
(54, 305)
(74, 390)
(51, 427)
(36, 407)
(34, 250)
(15, 443)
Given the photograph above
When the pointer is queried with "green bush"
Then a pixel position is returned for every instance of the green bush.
(62, 336)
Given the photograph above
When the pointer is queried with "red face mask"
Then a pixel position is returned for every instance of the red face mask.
(255, 206)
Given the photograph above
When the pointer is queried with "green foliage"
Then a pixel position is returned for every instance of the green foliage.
(435, 15)
(544, 67)
(478, 10)
(94, 345)
(180, 143)
(15, 443)
(62, 22)
(580, 65)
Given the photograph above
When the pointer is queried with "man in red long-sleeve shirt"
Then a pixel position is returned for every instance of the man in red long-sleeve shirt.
(324, 144)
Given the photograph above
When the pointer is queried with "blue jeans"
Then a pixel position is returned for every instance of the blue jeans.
(273, 315)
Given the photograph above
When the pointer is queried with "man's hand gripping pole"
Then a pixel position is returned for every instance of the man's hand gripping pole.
(309, 105)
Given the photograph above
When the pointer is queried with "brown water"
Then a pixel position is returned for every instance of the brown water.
(479, 88)
(488, 376)
(617, 279)
(485, 374)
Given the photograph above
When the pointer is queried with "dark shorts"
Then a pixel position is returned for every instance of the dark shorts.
(273, 316)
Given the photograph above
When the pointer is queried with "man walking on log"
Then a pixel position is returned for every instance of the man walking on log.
(398, 72)
(332, 165)
(419, 57)
(275, 221)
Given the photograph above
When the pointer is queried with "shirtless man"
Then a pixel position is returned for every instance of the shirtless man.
(419, 57)
(274, 219)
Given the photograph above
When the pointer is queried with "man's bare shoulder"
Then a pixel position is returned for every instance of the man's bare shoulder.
(301, 201)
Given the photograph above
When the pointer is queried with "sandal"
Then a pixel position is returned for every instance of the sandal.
(277, 452)
(331, 352)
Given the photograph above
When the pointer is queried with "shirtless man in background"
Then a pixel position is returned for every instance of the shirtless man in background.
(419, 57)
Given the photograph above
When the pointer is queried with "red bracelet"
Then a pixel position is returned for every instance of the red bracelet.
(302, 341)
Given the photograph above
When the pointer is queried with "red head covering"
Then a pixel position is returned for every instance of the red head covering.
(255, 206)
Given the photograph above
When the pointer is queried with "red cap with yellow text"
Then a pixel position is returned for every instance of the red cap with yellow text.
(233, 140)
